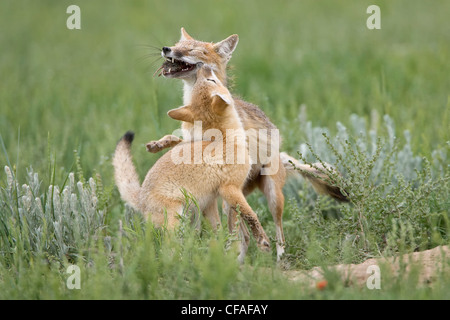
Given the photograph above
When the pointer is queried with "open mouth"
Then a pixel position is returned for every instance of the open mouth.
(173, 67)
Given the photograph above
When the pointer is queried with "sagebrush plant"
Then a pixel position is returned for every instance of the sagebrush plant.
(54, 223)
(390, 190)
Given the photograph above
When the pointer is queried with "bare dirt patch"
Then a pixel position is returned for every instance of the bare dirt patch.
(429, 263)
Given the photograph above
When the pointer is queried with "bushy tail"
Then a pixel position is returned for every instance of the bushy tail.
(319, 180)
(125, 175)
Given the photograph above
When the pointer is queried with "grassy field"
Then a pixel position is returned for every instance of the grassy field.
(67, 96)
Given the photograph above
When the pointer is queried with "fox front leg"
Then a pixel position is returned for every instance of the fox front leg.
(165, 142)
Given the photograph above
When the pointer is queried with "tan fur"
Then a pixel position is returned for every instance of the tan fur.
(216, 56)
(160, 197)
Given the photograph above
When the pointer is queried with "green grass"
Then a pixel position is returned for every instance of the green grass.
(313, 67)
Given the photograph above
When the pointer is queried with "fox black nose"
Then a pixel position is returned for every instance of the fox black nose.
(166, 50)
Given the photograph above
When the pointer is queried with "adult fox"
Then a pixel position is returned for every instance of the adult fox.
(181, 62)
(204, 168)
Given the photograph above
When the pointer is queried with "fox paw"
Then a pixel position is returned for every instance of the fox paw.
(264, 244)
(156, 146)
(163, 143)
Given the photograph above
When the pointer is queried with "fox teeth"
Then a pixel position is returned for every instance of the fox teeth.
(170, 69)
(173, 60)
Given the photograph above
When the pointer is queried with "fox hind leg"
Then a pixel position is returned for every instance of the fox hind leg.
(272, 187)
(244, 235)
(211, 213)
(235, 199)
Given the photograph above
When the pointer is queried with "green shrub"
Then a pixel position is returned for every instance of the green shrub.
(55, 223)
(398, 200)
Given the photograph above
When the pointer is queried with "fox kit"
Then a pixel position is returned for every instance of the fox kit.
(182, 61)
(215, 171)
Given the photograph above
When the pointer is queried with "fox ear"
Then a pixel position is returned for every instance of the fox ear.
(220, 102)
(182, 114)
(226, 47)
(185, 35)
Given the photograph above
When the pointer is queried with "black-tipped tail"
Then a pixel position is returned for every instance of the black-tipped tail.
(318, 178)
(125, 175)
(128, 137)
(336, 193)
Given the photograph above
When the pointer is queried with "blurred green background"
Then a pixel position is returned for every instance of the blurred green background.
(62, 90)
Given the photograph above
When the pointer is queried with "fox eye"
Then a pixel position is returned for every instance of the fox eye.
(211, 80)
(200, 51)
